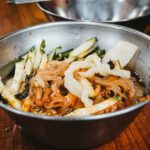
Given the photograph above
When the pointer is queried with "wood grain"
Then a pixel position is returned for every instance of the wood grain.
(135, 137)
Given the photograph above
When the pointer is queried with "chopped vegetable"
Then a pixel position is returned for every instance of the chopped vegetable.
(104, 69)
(78, 82)
(117, 64)
(89, 73)
(93, 109)
(26, 104)
(85, 98)
(101, 52)
(30, 61)
(9, 96)
(122, 51)
(54, 53)
(39, 55)
(25, 92)
(19, 74)
(70, 82)
(32, 54)
(63, 55)
(9, 82)
(82, 50)
(88, 87)
(44, 61)
(88, 91)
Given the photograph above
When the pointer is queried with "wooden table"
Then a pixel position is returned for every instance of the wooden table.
(135, 137)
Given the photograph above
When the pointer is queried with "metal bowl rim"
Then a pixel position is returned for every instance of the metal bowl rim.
(85, 118)
(102, 24)
(76, 118)
(71, 19)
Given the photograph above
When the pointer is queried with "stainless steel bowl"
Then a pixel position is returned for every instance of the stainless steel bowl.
(77, 132)
(131, 13)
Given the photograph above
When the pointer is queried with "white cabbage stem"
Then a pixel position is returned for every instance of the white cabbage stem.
(93, 109)
(122, 51)
(9, 96)
(70, 82)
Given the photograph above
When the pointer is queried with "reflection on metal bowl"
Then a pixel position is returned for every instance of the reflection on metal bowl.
(131, 13)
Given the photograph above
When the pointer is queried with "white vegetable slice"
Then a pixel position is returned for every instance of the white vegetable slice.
(85, 98)
(30, 61)
(88, 87)
(93, 109)
(92, 62)
(121, 73)
(28, 66)
(39, 55)
(89, 73)
(70, 82)
(90, 58)
(53, 53)
(38, 58)
(82, 49)
(19, 74)
(104, 69)
(43, 61)
(73, 86)
(122, 51)
(26, 105)
(70, 59)
(25, 56)
(32, 54)
(117, 64)
(9, 96)
(9, 82)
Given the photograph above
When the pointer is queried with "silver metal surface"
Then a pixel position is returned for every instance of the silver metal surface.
(25, 1)
(77, 132)
(97, 10)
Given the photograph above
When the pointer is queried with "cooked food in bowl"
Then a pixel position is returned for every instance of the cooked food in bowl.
(63, 131)
(86, 80)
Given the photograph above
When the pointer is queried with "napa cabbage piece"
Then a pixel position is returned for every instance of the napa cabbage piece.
(122, 51)
(9, 82)
(19, 74)
(85, 98)
(32, 53)
(28, 66)
(23, 67)
(43, 61)
(53, 54)
(9, 96)
(93, 109)
(63, 55)
(70, 82)
(89, 73)
(87, 92)
(26, 104)
(82, 50)
(83, 88)
(86, 84)
(39, 55)
(103, 69)
(30, 61)
(94, 61)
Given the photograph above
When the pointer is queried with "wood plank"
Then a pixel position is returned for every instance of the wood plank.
(15, 17)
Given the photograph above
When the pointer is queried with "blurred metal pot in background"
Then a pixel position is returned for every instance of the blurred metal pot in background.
(131, 13)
